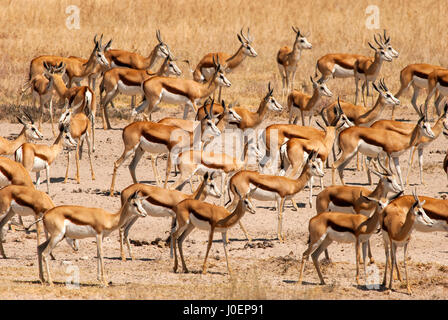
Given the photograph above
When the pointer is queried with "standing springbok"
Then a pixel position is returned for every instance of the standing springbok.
(129, 82)
(191, 214)
(206, 66)
(367, 69)
(396, 228)
(437, 81)
(23, 201)
(159, 202)
(288, 59)
(78, 222)
(80, 130)
(342, 227)
(415, 75)
(35, 157)
(29, 131)
(372, 142)
(146, 136)
(180, 91)
(272, 188)
(299, 101)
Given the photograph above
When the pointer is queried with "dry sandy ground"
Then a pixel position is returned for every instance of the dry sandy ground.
(265, 269)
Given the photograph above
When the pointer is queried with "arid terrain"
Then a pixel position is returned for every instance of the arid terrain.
(264, 268)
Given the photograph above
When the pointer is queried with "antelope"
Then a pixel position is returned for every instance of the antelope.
(180, 91)
(76, 68)
(80, 129)
(193, 162)
(129, 82)
(367, 69)
(29, 131)
(81, 99)
(298, 101)
(122, 58)
(12, 172)
(206, 67)
(23, 201)
(268, 188)
(437, 81)
(192, 214)
(372, 142)
(342, 65)
(327, 227)
(145, 136)
(247, 119)
(159, 202)
(35, 157)
(348, 198)
(295, 152)
(415, 75)
(288, 59)
(402, 127)
(78, 222)
(396, 228)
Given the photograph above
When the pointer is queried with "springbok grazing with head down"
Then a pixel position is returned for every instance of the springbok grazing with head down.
(304, 103)
(35, 157)
(129, 82)
(403, 127)
(23, 201)
(288, 59)
(296, 151)
(342, 227)
(272, 188)
(80, 130)
(415, 75)
(78, 222)
(206, 66)
(396, 228)
(348, 198)
(191, 214)
(437, 81)
(159, 202)
(28, 132)
(367, 69)
(146, 136)
(76, 68)
(180, 91)
(372, 142)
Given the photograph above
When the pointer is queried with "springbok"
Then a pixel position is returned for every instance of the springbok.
(29, 131)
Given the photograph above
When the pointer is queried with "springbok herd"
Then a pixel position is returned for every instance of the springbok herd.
(294, 155)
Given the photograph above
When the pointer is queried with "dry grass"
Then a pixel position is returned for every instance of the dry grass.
(193, 28)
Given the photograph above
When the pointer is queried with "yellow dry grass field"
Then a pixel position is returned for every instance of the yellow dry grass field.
(266, 269)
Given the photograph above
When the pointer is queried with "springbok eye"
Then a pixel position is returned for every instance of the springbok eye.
(302, 40)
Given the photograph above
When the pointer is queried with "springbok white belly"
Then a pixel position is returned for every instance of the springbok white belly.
(443, 90)
(129, 90)
(75, 231)
(152, 147)
(345, 237)
(420, 82)
(368, 149)
(262, 195)
(38, 165)
(157, 211)
(340, 72)
(21, 210)
(173, 98)
(203, 225)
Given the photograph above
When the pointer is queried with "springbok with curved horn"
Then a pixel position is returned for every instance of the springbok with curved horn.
(180, 91)
(29, 132)
(299, 101)
(288, 59)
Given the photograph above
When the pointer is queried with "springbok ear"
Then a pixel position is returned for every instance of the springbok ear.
(108, 45)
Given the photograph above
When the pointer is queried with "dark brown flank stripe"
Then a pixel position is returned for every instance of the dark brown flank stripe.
(173, 90)
(340, 202)
(197, 215)
(339, 228)
(421, 74)
(435, 215)
(344, 65)
(20, 201)
(6, 173)
(75, 221)
(443, 83)
(118, 63)
(157, 203)
(153, 138)
(359, 70)
(262, 186)
(129, 82)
